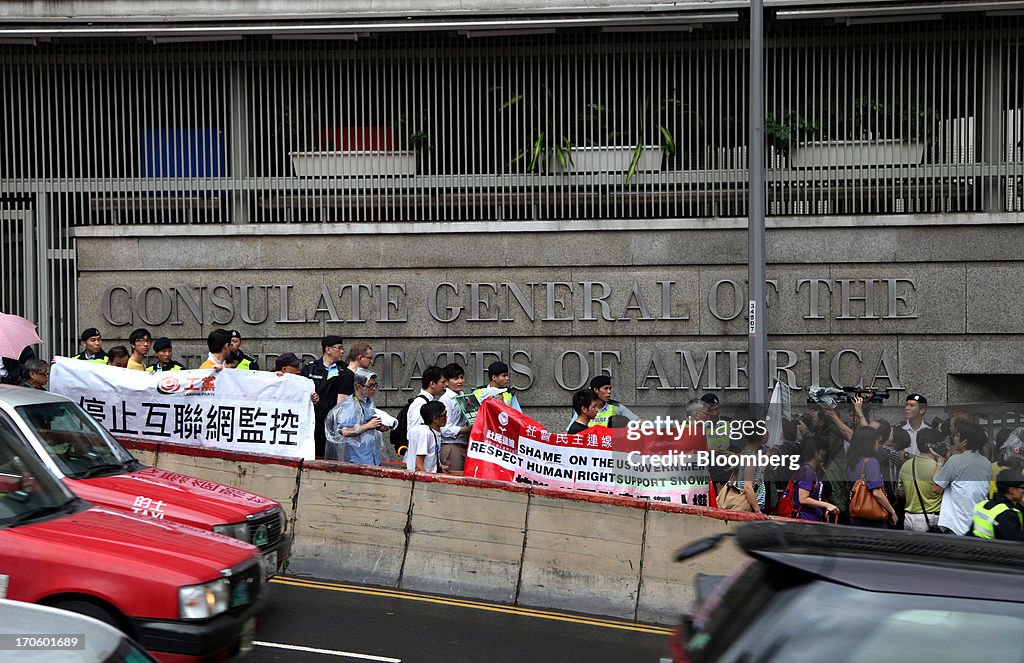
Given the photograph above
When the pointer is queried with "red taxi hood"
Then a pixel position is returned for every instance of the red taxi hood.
(155, 493)
(106, 536)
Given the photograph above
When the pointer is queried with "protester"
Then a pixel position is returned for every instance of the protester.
(93, 342)
(164, 355)
(863, 465)
(809, 484)
(360, 355)
(219, 344)
(245, 362)
(455, 433)
(36, 375)
(915, 483)
(288, 362)
(602, 387)
(352, 427)
(963, 481)
(10, 370)
(432, 383)
(118, 356)
(1000, 517)
(425, 439)
(586, 404)
(498, 386)
(139, 340)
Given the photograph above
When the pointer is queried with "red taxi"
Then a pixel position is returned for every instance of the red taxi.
(97, 468)
(183, 593)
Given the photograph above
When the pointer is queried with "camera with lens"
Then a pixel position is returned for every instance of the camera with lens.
(830, 397)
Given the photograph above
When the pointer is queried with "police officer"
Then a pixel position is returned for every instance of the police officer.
(246, 362)
(164, 362)
(93, 346)
(498, 386)
(1000, 517)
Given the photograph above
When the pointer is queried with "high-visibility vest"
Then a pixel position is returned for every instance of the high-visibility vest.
(610, 409)
(985, 518)
(244, 364)
(100, 358)
(505, 396)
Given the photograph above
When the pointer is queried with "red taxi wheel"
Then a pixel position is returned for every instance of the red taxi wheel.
(91, 610)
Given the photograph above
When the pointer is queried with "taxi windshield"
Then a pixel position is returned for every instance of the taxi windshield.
(75, 442)
(28, 491)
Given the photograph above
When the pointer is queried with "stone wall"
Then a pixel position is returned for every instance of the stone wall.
(657, 307)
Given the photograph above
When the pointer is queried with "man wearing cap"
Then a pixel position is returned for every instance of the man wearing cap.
(93, 346)
(1000, 517)
(164, 362)
(602, 386)
(288, 362)
(914, 409)
(498, 385)
(327, 367)
(245, 362)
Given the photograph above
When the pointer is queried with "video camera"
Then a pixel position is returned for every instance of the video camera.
(830, 397)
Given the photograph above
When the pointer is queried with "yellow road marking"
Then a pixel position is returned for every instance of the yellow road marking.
(475, 605)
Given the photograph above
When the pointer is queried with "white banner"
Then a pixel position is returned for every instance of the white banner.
(244, 411)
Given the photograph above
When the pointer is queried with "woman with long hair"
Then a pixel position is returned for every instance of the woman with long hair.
(862, 462)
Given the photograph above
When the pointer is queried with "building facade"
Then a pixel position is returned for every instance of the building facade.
(564, 188)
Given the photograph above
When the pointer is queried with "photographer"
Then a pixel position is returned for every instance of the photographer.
(915, 483)
(822, 423)
(964, 479)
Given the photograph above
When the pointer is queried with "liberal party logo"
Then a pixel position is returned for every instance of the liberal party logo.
(168, 386)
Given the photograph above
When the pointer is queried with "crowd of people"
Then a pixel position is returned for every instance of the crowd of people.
(942, 475)
(854, 468)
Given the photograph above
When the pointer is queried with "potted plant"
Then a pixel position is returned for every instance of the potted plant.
(782, 133)
(871, 132)
(362, 151)
(601, 144)
(610, 148)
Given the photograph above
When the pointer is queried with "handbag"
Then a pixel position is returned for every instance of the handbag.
(863, 504)
(732, 498)
(934, 529)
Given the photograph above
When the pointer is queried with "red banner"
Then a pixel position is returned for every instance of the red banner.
(661, 465)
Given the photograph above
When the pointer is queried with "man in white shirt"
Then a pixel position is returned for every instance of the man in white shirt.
(455, 434)
(425, 440)
(964, 480)
(433, 386)
(914, 409)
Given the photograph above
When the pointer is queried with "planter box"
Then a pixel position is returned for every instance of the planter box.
(612, 159)
(353, 163)
(890, 152)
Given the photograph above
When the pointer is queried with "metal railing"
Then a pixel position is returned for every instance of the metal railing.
(866, 119)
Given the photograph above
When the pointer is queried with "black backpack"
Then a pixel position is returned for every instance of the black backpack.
(400, 433)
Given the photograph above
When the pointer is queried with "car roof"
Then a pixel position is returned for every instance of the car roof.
(15, 396)
(98, 640)
(891, 560)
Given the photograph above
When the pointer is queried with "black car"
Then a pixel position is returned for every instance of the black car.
(814, 593)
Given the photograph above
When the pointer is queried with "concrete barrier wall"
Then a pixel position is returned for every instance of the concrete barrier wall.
(475, 538)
